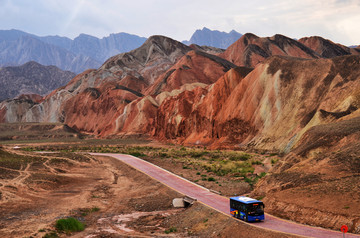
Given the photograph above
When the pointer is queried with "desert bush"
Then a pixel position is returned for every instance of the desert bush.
(172, 229)
(136, 154)
(273, 161)
(257, 162)
(240, 157)
(69, 225)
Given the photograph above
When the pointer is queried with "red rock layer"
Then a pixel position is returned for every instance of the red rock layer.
(194, 67)
(326, 48)
(250, 49)
(191, 117)
(270, 108)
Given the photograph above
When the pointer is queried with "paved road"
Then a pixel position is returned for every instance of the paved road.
(219, 202)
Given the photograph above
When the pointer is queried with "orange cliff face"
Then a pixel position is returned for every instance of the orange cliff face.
(195, 69)
(269, 108)
(191, 117)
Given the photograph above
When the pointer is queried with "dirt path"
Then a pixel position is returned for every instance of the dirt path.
(218, 202)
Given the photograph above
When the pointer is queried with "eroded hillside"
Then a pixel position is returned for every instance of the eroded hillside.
(318, 183)
(167, 90)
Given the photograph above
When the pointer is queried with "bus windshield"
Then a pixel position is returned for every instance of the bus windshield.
(256, 209)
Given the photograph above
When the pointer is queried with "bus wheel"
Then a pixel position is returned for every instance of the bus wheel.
(246, 218)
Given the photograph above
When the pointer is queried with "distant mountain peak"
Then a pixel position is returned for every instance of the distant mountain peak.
(214, 38)
(205, 29)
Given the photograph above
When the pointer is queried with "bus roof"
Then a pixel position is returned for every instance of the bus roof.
(245, 200)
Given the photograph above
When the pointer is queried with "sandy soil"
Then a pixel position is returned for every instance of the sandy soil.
(53, 187)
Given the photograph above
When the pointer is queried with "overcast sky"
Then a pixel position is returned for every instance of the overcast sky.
(337, 20)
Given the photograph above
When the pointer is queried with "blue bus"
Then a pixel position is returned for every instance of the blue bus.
(247, 209)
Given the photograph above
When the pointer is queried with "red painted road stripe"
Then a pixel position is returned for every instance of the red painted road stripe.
(219, 202)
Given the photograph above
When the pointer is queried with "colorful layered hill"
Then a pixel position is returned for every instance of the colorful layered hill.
(270, 107)
(250, 49)
(326, 48)
(187, 95)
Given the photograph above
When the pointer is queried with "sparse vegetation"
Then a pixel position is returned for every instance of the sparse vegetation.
(214, 163)
(170, 230)
(87, 211)
(69, 225)
(274, 161)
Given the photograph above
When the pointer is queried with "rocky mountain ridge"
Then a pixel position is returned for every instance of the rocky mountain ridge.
(31, 78)
(82, 53)
(213, 38)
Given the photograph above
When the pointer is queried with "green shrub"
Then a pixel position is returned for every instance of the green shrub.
(248, 180)
(260, 198)
(70, 224)
(211, 179)
(262, 174)
(273, 161)
(257, 162)
(136, 154)
(240, 157)
(95, 209)
(172, 229)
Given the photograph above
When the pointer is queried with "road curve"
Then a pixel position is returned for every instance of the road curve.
(219, 202)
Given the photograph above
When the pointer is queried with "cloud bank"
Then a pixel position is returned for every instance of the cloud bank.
(333, 19)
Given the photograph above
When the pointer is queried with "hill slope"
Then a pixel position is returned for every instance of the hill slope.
(326, 48)
(31, 78)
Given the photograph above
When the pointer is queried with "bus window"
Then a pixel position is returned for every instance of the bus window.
(257, 209)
